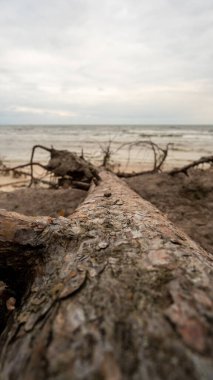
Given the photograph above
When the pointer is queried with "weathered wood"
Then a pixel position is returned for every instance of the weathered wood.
(185, 168)
(114, 292)
(69, 167)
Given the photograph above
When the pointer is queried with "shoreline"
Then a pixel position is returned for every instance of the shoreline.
(188, 142)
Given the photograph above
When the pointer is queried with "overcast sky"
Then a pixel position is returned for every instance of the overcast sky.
(109, 61)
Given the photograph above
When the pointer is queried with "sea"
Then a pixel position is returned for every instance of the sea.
(129, 145)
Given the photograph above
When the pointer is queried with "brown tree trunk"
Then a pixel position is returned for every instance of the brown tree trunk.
(114, 292)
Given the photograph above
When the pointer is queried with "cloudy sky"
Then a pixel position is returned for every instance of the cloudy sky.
(109, 61)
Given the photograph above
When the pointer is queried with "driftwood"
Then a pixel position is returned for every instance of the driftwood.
(185, 168)
(68, 167)
(73, 170)
(17, 173)
(64, 164)
(159, 158)
(113, 292)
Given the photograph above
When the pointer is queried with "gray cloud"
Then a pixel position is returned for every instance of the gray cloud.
(87, 61)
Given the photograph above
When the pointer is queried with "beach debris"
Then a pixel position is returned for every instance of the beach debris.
(159, 157)
(70, 169)
(184, 169)
(135, 299)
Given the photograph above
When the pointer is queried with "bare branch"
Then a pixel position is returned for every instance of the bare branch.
(32, 156)
(159, 156)
(184, 169)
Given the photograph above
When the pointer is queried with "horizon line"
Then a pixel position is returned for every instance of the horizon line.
(104, 124)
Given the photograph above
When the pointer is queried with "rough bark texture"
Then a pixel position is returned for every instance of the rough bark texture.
(115, 292)
(69, 166)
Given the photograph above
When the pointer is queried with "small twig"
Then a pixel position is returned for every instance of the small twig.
(13, 183)
(23, 166)
(163, 156)
(133, 174)
(31, 159)
(155, 155)
(107, 153)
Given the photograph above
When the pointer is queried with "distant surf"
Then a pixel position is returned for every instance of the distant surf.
(189, 141)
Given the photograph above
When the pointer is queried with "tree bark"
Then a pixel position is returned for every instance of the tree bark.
(114, 292)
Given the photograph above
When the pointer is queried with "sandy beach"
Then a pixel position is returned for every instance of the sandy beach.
(106, 190)
(189, 142)
(187, 200)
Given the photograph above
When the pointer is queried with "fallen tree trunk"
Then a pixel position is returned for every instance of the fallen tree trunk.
(114, 292)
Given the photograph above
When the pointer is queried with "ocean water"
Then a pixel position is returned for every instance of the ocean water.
(189, 142)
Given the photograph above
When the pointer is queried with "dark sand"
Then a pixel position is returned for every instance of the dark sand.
(188, 201)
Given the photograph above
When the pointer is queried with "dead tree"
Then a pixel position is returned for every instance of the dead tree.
(113, 292)
(67, 167)
(107, 152)
(185, 168)
(73, 170)
(159, 157)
